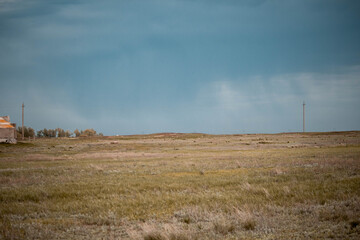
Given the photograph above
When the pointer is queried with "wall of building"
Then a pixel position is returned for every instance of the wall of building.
(8, 135)
(7, 131)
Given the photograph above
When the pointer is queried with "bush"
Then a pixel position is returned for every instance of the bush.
(28, 132)
(88, 133)
(249, 224)
(224, 227)
(154, 236)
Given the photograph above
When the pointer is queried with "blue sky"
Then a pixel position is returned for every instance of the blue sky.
(133, 67)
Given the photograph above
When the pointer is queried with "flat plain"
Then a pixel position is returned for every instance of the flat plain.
(182, 186)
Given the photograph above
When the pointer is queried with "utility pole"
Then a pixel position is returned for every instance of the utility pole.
(304, 116)
(22, 129)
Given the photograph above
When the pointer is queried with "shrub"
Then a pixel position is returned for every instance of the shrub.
(154, 236)
(249, 224)
(224, 227)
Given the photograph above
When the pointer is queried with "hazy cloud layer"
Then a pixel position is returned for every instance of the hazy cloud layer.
(179, 65)
(272, 104)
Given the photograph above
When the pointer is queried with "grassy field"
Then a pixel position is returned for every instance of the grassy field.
(182, 186)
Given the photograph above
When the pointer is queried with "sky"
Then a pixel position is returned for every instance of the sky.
(218, 67)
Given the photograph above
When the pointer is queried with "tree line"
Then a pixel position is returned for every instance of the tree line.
(57, 132)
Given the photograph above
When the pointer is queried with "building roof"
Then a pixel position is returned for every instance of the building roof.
(5, 124)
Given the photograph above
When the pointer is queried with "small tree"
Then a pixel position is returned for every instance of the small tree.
(28, 132)
(77, 133)
(68, 133)
(52, 132)
(31, 132)
(40, 133)
(55, 131)
(19, 130)
(88, 133)
(46, 133)
(61, 132)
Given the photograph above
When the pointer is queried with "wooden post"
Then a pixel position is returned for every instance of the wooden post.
(303, 116)
(22, 129)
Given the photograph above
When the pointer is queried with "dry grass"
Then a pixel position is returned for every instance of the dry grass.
(182, 186)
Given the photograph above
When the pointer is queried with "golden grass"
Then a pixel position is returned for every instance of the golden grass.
(182, 186)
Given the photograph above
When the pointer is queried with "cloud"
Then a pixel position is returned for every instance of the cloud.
(273, 104)
(45, 107)
(7, 5)
(54, 110)
(282, 89)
